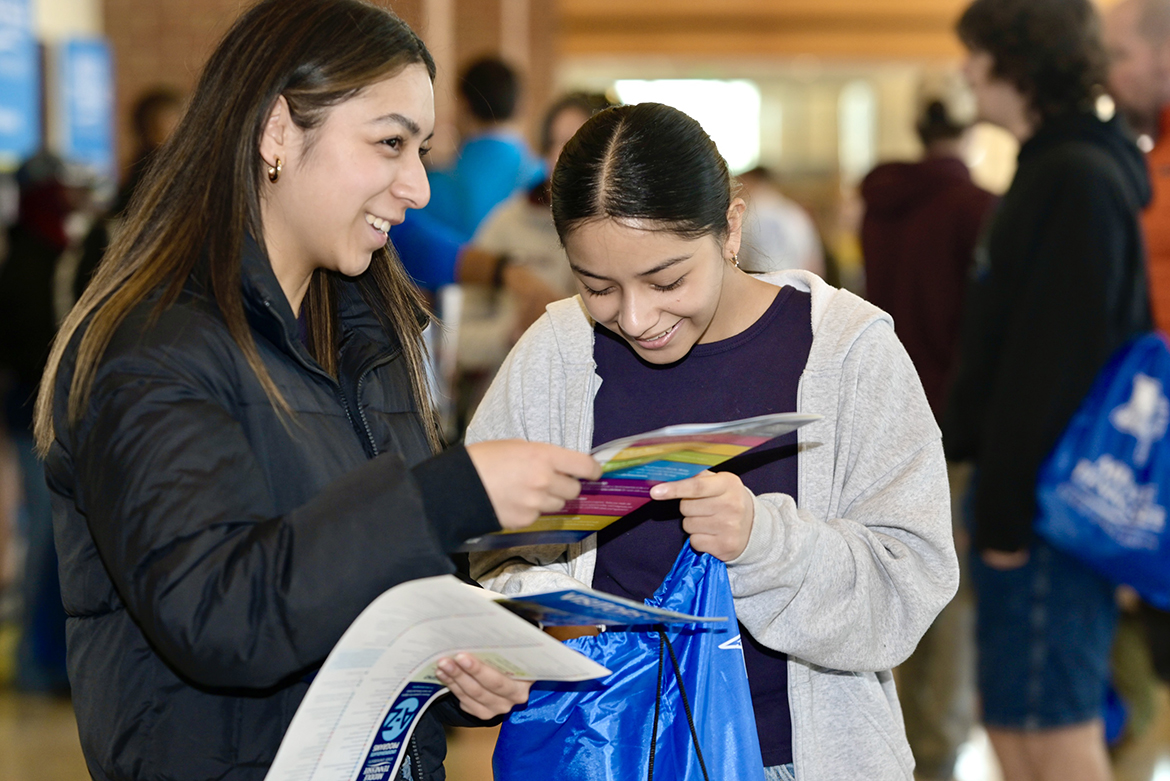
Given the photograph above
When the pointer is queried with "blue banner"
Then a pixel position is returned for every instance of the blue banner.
(86, 108)
(20, 83)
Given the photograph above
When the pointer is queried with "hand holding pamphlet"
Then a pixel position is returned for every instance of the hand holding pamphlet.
(358, 715)
(632, 465)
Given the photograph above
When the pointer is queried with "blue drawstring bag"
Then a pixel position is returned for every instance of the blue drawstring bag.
(676, 708)
(1103, 490)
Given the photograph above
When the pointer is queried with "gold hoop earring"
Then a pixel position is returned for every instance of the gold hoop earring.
(274, 170)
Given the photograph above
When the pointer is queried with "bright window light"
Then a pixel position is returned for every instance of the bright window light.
(728, 110)
(857, 128)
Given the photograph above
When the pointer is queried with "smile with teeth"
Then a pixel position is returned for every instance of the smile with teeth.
(377, 223)
(660, 339)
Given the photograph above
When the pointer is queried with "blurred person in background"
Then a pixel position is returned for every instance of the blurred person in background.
(493, 161)
(1137, 40)
(522, 227)
(918, 237)
(1137, 33)
(778, 234)
(28, 321)
(507, 272)
(153, 117)
(520, 234)
(1059, 285)
(1138, 36)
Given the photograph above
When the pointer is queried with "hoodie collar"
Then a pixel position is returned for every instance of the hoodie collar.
(1109, 136)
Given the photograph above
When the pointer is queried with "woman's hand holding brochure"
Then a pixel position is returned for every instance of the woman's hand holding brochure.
(632, 466)
(718, 510)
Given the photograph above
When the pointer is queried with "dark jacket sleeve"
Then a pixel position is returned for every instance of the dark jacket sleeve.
(228, 592)
(980, 337)
(1041, 327)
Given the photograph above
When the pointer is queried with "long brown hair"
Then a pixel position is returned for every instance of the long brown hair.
(201, 197)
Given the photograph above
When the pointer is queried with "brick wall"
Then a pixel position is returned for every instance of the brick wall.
(167, 42)
(160, 42)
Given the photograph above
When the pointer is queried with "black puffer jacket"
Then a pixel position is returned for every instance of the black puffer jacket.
(212, 552)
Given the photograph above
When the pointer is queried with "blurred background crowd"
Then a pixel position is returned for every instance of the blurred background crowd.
(847, 122)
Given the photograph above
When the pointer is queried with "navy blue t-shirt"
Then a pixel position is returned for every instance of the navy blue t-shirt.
(753, 373)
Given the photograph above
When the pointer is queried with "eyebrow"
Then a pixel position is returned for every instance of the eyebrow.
(663, 266)
(406, 122)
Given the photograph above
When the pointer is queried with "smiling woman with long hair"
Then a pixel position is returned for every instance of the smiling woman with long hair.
(235, 416)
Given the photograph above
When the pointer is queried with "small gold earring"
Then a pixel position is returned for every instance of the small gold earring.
(274, 170)
(735, 259)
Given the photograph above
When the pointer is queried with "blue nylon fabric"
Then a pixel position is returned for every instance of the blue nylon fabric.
(1103, 491)
(600, 730)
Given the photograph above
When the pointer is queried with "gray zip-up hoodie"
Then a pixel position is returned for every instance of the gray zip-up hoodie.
(845, 583)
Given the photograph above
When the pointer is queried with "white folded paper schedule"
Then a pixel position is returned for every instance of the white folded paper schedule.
(359, 712)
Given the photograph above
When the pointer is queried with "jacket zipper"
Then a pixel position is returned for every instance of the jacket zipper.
(381, 360)
(357, 392)
(414, 752)
(374, 364)
(349, 416)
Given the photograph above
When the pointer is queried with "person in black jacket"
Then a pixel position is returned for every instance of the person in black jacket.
(1059, 286)
(235, 417)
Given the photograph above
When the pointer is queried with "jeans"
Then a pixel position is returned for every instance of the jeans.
(1044, 634)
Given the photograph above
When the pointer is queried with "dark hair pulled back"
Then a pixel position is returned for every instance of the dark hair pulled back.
(936, 124)
(646, 162)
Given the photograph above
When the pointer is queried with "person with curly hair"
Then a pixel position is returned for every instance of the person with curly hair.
(1059, 285)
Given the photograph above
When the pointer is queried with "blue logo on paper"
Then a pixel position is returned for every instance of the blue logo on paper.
(399, 718)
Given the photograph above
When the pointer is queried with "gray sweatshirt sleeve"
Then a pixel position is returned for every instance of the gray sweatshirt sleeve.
(524, 402)
(853, 579)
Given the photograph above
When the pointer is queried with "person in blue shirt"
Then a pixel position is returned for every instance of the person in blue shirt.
(493, 163)
(494, 160)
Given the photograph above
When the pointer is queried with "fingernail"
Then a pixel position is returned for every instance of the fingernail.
(658, 491)
(447, 667)
(465, 661)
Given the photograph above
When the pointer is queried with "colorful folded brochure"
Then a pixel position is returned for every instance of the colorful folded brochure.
(632, 465)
